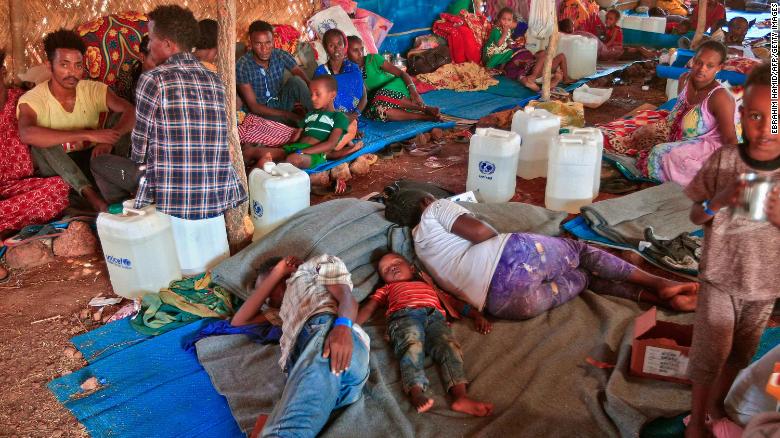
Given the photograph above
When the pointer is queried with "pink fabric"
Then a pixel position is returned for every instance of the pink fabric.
(379, 25)
(364, 28)
(256, 129)
(348, 5)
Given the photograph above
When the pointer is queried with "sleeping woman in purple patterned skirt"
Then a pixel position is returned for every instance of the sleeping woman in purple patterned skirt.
(520, 275)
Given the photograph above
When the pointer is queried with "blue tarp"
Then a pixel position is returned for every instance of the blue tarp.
(669, 72)
(377, 135)
(506, 94)
(149, 387)
(411, 18)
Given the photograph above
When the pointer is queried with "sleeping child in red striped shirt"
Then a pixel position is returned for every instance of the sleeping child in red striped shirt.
(416, 325)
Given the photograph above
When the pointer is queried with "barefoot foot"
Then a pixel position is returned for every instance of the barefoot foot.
(668, 289)
(529, 83)
(472, 407)
(683, 303)
(419, 400)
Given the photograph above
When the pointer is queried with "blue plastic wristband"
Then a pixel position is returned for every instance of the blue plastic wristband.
(343, 321)
(706, 206)
(299, 152)
(466, 310)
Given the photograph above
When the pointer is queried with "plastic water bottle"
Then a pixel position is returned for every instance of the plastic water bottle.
(200, 244)
(276, 192)
(493, 155)
(597, 137)
(139, 251)
(580, 53)
(537, 128)
(570, 173)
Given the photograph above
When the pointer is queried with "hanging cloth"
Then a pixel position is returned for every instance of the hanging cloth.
(541, 19)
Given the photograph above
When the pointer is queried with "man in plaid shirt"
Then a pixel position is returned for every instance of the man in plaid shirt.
(181, 126)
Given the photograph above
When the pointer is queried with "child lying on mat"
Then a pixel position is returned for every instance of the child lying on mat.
(416, 324)
(320, 135)
(324, 355)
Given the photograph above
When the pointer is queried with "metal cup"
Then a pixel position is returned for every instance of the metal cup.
(752, 201)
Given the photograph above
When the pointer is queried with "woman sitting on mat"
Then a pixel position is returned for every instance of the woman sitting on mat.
(391, 90)
(351, 98)
(703, 120)
(527, 274)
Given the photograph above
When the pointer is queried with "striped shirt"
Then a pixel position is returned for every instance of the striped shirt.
(181, 133)
(407, 295)
(306, 295)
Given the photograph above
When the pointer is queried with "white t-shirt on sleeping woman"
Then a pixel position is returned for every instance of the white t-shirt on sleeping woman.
(459, 266)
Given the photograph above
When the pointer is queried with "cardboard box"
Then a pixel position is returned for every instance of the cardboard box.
(660, 349)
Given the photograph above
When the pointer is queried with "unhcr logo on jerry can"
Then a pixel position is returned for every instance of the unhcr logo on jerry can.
(486, 168)
(123, 263)
(257, 209)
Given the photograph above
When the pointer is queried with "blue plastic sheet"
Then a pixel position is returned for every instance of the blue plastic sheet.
(411, 18)
(149, 387)
(377, 135)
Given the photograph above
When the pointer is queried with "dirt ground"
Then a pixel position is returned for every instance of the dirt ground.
(43, 307)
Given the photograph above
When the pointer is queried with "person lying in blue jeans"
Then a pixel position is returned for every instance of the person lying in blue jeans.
(417, 325)
(324, 355)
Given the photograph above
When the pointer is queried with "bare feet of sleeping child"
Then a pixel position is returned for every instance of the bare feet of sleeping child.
(462, 403)
(420, 401)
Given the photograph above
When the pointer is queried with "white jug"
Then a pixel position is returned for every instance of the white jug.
(597, 137)
(139, 251)
(654, 24)
(671, 88)
(493, 155)
(276, 192)
(537, 129)
(570, 173)
(580, 53)
(200, 244)
(632, 22)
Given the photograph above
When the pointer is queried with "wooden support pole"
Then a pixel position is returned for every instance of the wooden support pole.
(239, 226)
(18, 18)
(700, 24)
(547, 72)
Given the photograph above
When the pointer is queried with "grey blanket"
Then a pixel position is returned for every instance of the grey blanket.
(664, 208)
(358, 233)
(534, 371)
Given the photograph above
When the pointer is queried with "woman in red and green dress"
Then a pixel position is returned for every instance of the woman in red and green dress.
(392, 95)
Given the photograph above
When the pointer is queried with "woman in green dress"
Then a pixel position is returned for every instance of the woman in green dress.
(391, 91)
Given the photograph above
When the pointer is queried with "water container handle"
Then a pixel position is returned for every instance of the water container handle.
(282, 173)
(135, 211)
(491, 132)
(571, 140)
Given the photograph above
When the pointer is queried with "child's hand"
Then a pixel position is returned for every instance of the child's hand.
(481, 324)
(729, 196)
(287, 266)
(296, 134)
(773, 206)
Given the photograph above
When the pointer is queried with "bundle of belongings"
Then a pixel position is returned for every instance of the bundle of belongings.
(655, 222)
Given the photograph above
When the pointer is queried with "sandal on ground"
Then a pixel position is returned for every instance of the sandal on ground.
(618, 186)
(338, 188)
(386, 153)
(397, 149)
(371, 159)
(425, 151)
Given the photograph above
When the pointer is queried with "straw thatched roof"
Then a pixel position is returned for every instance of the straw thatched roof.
(25, 22)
